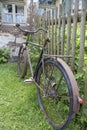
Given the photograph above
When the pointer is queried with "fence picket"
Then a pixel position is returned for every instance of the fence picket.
(59, 30)
(63, 29)
(82, 35)
(74, 34)
(48, 25)
(68, 29)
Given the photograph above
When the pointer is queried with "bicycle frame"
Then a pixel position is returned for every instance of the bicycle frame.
(40, 58)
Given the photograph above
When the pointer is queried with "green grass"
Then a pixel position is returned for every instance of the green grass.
(19, 105)
(18, 102)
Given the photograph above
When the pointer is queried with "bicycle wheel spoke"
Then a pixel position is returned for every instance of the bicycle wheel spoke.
(56, 98)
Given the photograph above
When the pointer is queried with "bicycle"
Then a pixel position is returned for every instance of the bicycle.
(57, 89)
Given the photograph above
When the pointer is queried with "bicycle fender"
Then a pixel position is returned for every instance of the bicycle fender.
(76, 104)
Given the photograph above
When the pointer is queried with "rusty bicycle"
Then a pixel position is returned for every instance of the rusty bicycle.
(57, 90)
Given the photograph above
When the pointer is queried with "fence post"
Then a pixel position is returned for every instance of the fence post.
(59, 30)
(56, 17)
(74, 34)
(68, 28)
(63, 29)
(52, 31)
(0, 12)
(82, 36)
(85, 92)
(48, 25)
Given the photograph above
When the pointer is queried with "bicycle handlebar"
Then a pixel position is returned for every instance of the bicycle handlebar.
(31, 32)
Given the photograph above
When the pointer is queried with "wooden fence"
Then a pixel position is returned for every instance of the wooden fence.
(67, 31)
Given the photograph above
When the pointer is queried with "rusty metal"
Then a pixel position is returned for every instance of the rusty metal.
(76, 104)
(56, 56)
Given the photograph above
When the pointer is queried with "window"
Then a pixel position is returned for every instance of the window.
(50, 2)
(41, 1)
(19, 11)
(46, 2)
(7, 13)
(80, 4)
(12, 13)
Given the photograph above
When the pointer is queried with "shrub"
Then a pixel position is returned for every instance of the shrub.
(4, 55)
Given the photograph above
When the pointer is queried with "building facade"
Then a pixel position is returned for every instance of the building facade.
(12, 12)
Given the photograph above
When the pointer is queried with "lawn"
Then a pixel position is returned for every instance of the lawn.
(18, 102)
(19, 105)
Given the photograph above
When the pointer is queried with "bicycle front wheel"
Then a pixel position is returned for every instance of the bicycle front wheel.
(56, 94)
(22, 62)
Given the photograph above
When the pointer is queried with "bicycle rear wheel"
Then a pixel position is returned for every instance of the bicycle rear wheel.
(22, 62)
(56, 96)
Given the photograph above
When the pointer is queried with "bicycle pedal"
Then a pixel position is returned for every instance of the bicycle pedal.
(30, 80)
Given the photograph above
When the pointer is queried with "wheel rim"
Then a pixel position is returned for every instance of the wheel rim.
(55, 100)
(21, 62)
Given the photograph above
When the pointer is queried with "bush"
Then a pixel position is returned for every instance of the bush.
(4, 55)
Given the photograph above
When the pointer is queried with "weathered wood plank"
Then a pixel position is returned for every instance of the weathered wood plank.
(74, 34)
(52, 34)
(56, 32)
(63, 29)
(68, 45)
(0, 12)
(82, 35)
(48, 25)
(59, 31)
(85, 91)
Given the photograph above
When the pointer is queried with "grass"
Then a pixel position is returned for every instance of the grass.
(19, 105)
(18, 102)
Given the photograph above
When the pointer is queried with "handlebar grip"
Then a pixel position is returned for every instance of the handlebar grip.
(17, 25)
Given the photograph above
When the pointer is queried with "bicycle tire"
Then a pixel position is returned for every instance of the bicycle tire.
(58, 109)
(22, 61)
